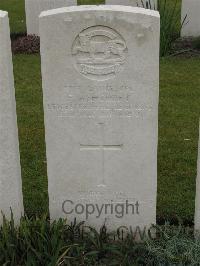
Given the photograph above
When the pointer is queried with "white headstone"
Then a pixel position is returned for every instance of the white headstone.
(197, 201)
(101, 113)
(35, 7)
(191, 27)
(152, 4)
(10, 173)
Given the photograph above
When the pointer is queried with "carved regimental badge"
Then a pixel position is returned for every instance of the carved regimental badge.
(99, 52)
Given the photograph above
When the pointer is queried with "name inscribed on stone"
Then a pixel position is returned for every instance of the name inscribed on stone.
(104, 101)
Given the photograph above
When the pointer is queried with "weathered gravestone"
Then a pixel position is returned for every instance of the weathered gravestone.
(151, 4)
(101, 113)
(191, 26)
(197, 202)
(10, 173)
(35, 7)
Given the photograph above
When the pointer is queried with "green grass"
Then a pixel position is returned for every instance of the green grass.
(178, 121)
(31, 132)
(178, 136)
(16, 11)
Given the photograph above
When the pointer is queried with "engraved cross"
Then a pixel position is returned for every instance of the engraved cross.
(102, 147)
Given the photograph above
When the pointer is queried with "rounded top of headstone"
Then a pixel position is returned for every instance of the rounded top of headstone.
(120, 8)
(3, 14)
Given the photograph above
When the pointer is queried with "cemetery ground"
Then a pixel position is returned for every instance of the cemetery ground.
(178, 129)
(178, 135)
(177, 155)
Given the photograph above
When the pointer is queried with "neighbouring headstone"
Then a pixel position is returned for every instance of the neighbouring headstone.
(151, 4)
(10, 173)
(35, 7)
(101, 113)
(197, 201)
(190, 16)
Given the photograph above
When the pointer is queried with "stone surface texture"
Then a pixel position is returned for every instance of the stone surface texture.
(191, 26)
(101, 113)
(10, 173)
(35, 7)
(136, 3)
